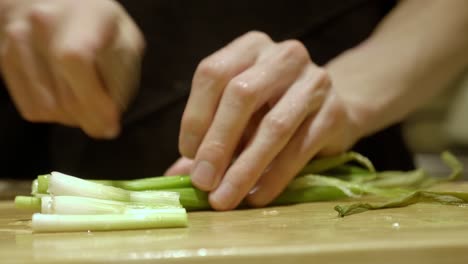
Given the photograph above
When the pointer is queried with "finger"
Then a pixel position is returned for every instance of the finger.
(276, 129)
(28, 81)
(67, 100)
(245, 94)
(312, 136)
(75, 51)
(251, 129)
(181, 167)
(120, 63)
(45, 18)
(15, 81)
(209, 81)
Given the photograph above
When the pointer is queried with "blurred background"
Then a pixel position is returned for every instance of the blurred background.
(441, 125)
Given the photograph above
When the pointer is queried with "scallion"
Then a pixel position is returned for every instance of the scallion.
(106, 222)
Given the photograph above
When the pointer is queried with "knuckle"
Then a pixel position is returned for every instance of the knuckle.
(244, 90)
(279, 127)
(212, 68)
(214, 148)
(41, 13)
(38, 115)
(135, 43)
(294, 49)
(193, 124)
(323, 77)
(27, 114)
(47, 110)
(16, 32)
(71, 54)
(257, 35)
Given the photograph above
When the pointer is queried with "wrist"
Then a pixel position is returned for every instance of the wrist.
(370, 88)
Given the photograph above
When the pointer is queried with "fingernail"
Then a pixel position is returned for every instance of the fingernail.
(189, 145)
(224, 196)
(203, 175)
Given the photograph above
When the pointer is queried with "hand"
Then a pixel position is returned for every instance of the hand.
(70, 62)
(257, 113)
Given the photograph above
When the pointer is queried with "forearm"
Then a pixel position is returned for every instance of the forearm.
(414, 53)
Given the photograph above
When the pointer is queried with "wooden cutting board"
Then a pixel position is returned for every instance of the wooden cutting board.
(305, 233)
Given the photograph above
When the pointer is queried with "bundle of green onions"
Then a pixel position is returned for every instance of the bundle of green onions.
(68, 203)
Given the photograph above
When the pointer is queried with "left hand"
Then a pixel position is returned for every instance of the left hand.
(257, 113)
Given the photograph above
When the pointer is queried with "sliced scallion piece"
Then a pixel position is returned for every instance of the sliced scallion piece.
(28, 202)
(85, 205)
(106, 222)
(153, 183)
(60, 184)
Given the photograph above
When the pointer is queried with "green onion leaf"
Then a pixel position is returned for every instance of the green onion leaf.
(449, 198)
(323, 164)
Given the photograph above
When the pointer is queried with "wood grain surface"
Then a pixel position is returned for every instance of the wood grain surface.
(305, 233)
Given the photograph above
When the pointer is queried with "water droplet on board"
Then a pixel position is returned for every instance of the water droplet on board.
(270, 212)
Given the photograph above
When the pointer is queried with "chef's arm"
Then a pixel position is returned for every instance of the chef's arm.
(416, 51)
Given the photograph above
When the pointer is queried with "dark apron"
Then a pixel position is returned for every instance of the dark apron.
(179, 34)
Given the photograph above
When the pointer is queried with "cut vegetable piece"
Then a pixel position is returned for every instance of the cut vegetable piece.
(347, 169)
(193, 199)
(86, 205)
(350, 189)
(69, 223)
(323, 164)
(452, 162)
(159, 198)
(65, 185)
(43, 183)
(451, 198)
(398, 179)
(153, 183)
(416, 179)
(145, 184)
(28, 202)
(34, 187)
(62, 184)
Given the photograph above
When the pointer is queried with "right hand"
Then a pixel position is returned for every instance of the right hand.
(70, 62)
